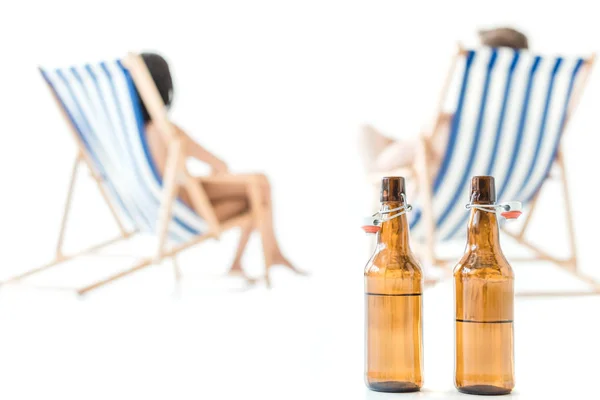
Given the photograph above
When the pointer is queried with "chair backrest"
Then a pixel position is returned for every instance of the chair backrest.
(102, 104)
(509, 111)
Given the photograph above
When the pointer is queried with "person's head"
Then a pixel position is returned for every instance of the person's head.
(161, 75)
(503, 37)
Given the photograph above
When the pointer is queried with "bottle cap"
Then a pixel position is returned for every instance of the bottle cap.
(483, 190)
(392, 189)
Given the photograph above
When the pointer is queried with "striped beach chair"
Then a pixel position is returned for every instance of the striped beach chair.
(510, 109)
(101, 104)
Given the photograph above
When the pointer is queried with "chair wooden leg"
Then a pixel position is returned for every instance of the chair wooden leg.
(64, 258)
(566, 264)
(67, 209)
(569, 264)
(425, 185)
(176, 268)
(60, 256)
(169, 193)
(539, 252)
(75, 169)
(143, 263)
(568, 208)
(146, 262)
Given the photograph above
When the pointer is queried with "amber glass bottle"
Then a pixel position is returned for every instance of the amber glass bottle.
(393, 288)
(484, 295)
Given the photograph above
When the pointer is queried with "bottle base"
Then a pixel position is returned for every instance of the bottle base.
(484, 390)
(393, 387)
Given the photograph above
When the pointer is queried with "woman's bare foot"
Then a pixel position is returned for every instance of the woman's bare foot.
(279, 259)
(237, 270)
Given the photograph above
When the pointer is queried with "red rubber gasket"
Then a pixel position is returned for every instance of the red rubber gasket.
(511, 214)
(371, 228)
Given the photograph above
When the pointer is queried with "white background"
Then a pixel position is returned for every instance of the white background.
(280, 87)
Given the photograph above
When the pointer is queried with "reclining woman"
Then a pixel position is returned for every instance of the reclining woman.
(382, 154)
(229, 197)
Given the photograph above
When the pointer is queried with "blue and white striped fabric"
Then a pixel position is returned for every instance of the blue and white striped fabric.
(509, 110)
(102, 103)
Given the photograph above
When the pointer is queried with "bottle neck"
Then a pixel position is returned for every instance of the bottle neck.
(483, 232)
(394, 233)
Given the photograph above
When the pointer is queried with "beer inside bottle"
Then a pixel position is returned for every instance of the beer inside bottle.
(484, 294)
(393, 288)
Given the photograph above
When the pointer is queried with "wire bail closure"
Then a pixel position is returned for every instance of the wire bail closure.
(508, 210)
(373, 223)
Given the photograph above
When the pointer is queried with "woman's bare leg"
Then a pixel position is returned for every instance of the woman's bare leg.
(236, 265)
(257, 192)
(260, 213)
(275, 255)
(228, 208)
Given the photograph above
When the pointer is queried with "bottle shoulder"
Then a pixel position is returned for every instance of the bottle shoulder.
(387, 262)
(393, 273)
(484, 265)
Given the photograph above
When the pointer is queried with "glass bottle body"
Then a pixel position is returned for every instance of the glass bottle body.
(393, 312)
(484, 297)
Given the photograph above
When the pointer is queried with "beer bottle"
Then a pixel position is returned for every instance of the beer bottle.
(484, 295)
(393, 288)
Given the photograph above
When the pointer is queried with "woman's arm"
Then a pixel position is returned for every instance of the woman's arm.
(200, 153)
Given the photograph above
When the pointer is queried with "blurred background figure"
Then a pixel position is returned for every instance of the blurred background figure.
(382, 153)
(228, 195)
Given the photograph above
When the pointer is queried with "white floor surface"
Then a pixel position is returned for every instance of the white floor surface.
(145, 337)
